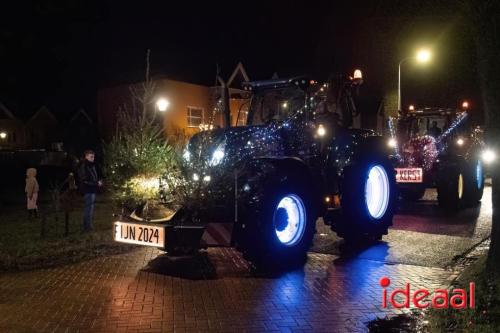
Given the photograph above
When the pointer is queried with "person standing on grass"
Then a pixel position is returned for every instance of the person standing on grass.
(31, 190)
(88, 182)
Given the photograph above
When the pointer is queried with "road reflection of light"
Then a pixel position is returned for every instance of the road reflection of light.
(361, 273)
(290, 288)
(486, 204)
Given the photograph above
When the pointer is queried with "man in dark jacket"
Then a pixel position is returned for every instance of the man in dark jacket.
(434, 131)
(88, 182)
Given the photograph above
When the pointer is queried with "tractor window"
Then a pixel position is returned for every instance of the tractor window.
(275, 105)
(433, 126)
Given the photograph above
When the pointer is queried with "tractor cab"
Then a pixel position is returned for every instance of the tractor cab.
(432, 122)
(436, 147)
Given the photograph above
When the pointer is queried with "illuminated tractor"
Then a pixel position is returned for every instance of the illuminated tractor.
(295, 159)
(435, 147)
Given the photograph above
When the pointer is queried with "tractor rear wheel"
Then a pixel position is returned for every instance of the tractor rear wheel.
(450, 187)
(368, 200)
(473, 182)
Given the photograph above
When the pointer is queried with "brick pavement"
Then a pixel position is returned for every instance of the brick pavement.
(144, 291)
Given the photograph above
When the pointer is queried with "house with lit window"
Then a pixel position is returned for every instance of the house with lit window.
(12, 133)
(69, 131)
(42, 129)
(191, 107)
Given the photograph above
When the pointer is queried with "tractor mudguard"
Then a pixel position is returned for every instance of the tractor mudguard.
(255, 176)
(447, 161)
(350, 149)
(369, 145)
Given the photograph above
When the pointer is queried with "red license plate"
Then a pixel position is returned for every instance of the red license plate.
(409, 175)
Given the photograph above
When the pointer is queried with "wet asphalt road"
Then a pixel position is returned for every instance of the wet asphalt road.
(421, 234)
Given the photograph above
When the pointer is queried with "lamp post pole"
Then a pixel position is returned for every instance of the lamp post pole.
(399, 82)
(422, 56)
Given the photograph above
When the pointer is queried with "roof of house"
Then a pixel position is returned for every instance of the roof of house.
(80, 113)
(238, 77)
(42, 110)
(5, 113)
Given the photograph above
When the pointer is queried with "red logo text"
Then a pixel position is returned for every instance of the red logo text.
(440, 298)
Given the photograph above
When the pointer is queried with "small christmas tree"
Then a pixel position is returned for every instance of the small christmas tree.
(138, 154)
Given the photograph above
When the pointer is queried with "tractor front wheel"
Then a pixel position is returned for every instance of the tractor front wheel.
(281, 228)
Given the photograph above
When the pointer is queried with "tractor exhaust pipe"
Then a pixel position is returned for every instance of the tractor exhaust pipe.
(224, 95)
(226, 106)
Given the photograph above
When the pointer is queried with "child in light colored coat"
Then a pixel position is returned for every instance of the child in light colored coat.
(31, 190)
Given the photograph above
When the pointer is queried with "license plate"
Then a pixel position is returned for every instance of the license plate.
(139, 234)
(409, 175)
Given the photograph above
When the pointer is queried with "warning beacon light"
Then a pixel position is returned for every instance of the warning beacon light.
(357, 77)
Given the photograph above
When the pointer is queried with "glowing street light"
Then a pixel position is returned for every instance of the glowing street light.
(162, 104)
(411, 107)
(465, 105)
(3, 135)
(423, 56)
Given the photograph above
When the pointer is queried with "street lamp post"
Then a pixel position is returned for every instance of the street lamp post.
(422, 56)
(399, 82)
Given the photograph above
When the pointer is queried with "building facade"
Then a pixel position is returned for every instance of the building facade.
(191, 107)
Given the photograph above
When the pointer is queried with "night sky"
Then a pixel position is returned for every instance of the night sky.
(59, 53)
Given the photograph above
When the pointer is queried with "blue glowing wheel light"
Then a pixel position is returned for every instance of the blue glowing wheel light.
(479, 174)
(289, 220)
(377, 191)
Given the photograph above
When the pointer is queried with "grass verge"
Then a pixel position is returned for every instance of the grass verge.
(22, 247)
(485, 317)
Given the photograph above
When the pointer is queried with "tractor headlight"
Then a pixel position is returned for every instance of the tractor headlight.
(218, 154)
(186, 155)
(488, 155)
(321, 131)
(392, 143)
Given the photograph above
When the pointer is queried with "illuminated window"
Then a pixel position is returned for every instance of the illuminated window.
(242, 118)
(194, 116)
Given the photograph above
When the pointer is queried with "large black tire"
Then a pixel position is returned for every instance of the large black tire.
(356, 223)
(412, 194)
(473, 182)
(260, 243)
(450, 187)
